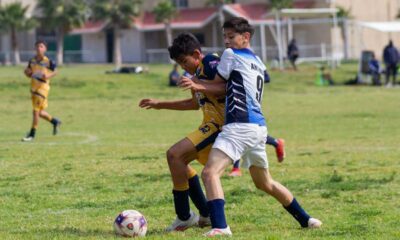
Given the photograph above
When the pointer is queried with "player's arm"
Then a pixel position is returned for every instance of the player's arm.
(216, 87)
(185, 104)
(52, 72)
(28, 70)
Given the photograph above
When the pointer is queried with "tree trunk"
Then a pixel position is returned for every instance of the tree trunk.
(117, 48)
(60, 47)
(345, 38)
(14, 45)
(168, 32)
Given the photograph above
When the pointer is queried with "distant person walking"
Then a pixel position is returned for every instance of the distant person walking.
(293, 53)
(391, 59)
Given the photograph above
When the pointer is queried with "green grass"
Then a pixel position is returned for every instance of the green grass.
(342, 157)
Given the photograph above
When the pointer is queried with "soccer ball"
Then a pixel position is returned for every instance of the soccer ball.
(130, 223)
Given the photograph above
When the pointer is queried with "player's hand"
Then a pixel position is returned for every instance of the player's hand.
(149, 103)
(28, 72)
(187, 83)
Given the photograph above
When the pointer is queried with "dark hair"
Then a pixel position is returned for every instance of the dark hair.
(41, 42)
(239, 25)
(184, 44)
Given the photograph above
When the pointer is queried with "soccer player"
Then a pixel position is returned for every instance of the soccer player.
(40, 70)
(244, 131)
(186, 51)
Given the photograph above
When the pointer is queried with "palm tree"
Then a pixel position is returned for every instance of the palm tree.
(13, 19)
(277, 5)
(344, 15)
(119, 15)
(220, 4)
(164, 12)
(61, 16)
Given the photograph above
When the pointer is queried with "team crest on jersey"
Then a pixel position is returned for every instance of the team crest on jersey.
(213, 64)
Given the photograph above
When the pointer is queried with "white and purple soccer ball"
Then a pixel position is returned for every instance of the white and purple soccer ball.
(130, 223)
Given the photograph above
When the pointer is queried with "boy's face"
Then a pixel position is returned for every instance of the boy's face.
(233, 39)
(190, 62)
(40, 49)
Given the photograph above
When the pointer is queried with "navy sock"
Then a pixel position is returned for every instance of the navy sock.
(271, 141)
(236, 164)
(181, 202)
(54, 121)
(197, 196)
(217, 213)
(32, 132)
(298, 213)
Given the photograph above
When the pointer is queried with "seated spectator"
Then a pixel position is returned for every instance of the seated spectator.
(324, 77)
(174, 76)
(375, 71)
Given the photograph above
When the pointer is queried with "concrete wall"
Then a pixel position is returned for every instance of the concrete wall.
(94, 47)
(132, 46)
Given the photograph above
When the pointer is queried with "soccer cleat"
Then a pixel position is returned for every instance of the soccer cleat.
(204, 221)
(27, 139)
(235, 172)
(219, 232)
(280, 150)
(179, 225)
(314, 223)
(56, 125)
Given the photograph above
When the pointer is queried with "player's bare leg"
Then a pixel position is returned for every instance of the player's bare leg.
(54, 121)
(217, 162)
(263, 181)
(186, 183)
(35, 122)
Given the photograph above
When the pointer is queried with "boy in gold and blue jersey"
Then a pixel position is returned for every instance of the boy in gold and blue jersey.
(40, 70)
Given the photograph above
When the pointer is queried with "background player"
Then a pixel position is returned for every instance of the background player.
(40, 69)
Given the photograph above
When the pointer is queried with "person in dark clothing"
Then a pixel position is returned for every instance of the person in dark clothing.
(174, 76)
(391, 59)
(374, 70)
(293, 53)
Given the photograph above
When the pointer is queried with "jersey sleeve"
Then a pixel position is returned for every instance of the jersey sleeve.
(226, 64)
(210, 63)
(52, 65)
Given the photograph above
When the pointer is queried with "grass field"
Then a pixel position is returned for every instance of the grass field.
(342, 163)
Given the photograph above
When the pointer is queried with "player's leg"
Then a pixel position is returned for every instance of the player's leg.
(263, 181)
(35, 122)
(217, 162)
(178, 157)
(54, 121)
(279, 145)
(387, 75)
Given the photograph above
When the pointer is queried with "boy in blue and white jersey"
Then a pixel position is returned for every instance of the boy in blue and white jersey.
(244, 132)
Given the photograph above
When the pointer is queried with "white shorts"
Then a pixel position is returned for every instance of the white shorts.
(246, 141)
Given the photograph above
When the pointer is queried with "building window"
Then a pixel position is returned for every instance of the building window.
(180, 3)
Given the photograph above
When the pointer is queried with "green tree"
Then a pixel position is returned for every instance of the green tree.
(12, 20)
(280, 4)
(164, 12)
(119, 15)
(61, 16)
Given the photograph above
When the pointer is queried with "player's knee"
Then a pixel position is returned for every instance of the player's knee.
(172, 156)
(267, 187)
(207, 174)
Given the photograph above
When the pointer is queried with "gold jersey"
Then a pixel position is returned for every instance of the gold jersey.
(213, 107)
(39, 84)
